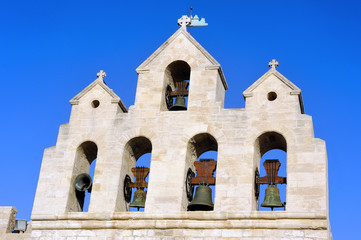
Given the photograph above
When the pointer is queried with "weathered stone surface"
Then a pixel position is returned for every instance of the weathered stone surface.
(7, 219)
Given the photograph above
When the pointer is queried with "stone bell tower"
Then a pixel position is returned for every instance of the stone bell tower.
(179, 115)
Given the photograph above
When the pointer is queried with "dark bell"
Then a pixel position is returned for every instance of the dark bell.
(272, 198)
(202, 199)
(83, 182)
(179, 104)
(139, 199)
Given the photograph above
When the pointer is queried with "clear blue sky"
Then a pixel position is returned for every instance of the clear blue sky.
(51, 50)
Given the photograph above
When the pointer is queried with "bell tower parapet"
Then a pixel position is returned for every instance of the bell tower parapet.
(177, 120)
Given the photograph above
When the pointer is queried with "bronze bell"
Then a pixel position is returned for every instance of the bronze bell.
(139, 199)
(272, 198)
(179, 104)
(83, 182)
(202, 199)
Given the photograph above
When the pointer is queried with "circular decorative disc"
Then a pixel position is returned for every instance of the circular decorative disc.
(127, 189)
(168, 98)
(189, 186)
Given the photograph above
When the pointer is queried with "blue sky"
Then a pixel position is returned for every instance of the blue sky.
(51, 50)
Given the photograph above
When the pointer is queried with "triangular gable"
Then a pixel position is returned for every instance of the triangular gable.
(215, 64)
(294, 89)
(100, 82)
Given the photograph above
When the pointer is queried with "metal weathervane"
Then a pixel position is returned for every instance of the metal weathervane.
(191, 21)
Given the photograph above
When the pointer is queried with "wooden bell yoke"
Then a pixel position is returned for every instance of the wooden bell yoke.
(181, 89)
(205, 169)
(272, 166)
(140, 174)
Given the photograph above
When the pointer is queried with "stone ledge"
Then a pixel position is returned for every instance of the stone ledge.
(212, 216)
(186, 220)
(285, 224)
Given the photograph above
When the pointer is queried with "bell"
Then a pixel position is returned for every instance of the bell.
(202, 199)
(272, 198)
(179, 104)
(139, 199)
(83, 182)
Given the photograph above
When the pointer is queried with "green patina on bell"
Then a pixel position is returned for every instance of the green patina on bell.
(272, 198)
(83, 182)
(179, 104)
(139, 199)
(202, 199)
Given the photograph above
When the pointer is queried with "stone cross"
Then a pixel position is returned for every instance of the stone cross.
(101, 74)
(184, 21)
(273, 64)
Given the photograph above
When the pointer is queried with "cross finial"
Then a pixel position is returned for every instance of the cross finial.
(101, 74)
(273, 64)
(184, 21)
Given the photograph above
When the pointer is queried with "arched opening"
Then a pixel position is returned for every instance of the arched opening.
(270, 184)
(83, 175)
(201, 167)
(177, 76)
(135, 174)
